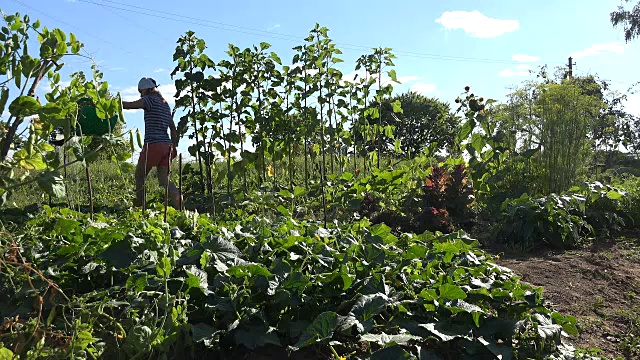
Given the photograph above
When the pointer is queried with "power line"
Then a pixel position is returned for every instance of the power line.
(140, 25)
(279, 36)
(76, 27)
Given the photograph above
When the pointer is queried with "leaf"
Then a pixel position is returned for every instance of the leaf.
(119, 254)
(466, 129)
(35, 163)
(384, 339)
(137, 282)
(6, 354)
(445, 334)
(416, 252)
(425, 353)
(391, 353)
(323, 233)
(222, 248)
(83, 339)
(397, 106)
(197, 279)
(478, 142)
(367, 307)
(393, 75)
(299, 191)
(4, 97)
(321, 329)
(296, 282)
(615, 195)
(164, 268)
(52, 183)
(138, 339)
(451, 292)
(24, 106)
(256, 337)
(347, 323)
(275, 58)
(205, 333)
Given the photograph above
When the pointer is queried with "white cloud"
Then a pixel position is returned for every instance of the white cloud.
(406, 79)
(423, 88)
(477, 24)
(597, 49)
(271, 28)
(525, 58)
(520, 70)
(161, 70)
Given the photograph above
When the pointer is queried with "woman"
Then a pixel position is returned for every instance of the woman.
(158, 147)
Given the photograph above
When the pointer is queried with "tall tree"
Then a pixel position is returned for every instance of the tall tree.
(628, 19)
(423, 121)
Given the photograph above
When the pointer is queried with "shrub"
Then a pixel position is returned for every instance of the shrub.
(631, 185)
(554, 220)
(605, 207)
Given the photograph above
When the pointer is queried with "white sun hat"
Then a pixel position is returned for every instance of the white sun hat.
(147, 83)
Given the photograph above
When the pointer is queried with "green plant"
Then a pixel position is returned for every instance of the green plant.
(131, 284)
(605, 207)
(554, 220)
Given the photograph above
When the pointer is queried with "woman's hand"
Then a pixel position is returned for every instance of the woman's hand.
(174, 151)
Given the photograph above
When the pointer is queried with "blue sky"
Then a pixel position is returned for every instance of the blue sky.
(441, 45)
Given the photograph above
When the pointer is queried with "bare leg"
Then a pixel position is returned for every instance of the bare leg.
(163, 179)
(141, 175)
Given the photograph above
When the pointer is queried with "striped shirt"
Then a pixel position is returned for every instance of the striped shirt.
(157, 116)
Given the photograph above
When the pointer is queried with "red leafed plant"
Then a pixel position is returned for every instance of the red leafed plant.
(447, 196)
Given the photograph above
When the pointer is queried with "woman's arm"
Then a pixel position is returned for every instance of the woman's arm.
(174, 133)
(138, 104)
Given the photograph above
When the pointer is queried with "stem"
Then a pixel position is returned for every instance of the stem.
(88, 174)
(379, 106)
(306, 139)
(195, 128)
(324, 151)
(213, 194)
(229, 149)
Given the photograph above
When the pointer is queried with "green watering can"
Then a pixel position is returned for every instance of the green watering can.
(89, 121)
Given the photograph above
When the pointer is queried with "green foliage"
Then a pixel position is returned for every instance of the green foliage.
(35, 159)
(564, 221)
(253, 282)
(606, 208)
(418, 123)
(567, 113)
(628, 19)
(555, 220)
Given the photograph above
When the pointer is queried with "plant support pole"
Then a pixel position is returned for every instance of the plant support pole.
(180, 181)
(144, 181)
(166, 188)
(86, 170)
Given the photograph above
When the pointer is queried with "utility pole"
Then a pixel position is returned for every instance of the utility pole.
(571, 63)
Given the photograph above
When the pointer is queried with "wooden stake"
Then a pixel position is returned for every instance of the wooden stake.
(86, 170)
(180, 181)
(144, 182)
(166, 190)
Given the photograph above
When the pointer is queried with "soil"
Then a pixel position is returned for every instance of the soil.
(599, 285)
